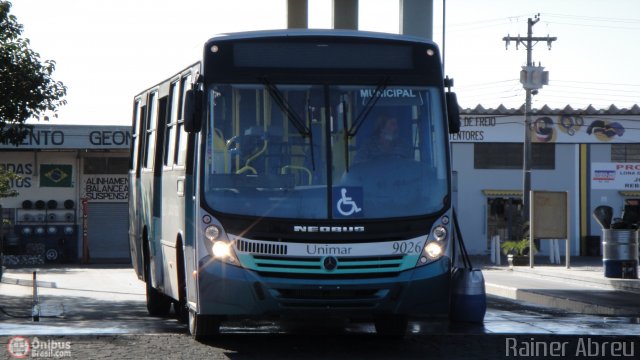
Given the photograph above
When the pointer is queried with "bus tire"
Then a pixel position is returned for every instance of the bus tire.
(180, 306)
(203, 327)
(392, 326)
(158, 304)
(181, 311)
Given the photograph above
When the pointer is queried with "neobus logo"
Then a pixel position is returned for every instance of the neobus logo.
(327, 229)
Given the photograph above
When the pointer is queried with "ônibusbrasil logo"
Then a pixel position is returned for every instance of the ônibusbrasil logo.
(21, 347)
(18, 347)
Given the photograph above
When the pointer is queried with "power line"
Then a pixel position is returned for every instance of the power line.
(486, 23)
(557, 89)
(590, 21)
(550, 91)
(595, 25)
(594, 18)
(598, 83)
(500, 19)
(485, 92)
(493, 82)
(588, 93)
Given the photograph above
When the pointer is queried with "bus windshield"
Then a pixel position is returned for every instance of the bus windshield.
(322, 151)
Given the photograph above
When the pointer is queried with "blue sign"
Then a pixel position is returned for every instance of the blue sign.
(348, 202)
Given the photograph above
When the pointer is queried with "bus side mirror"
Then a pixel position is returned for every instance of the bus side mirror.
(193, 111)
(453, 112)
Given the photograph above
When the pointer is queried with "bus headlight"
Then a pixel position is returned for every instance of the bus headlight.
(433, 250)
(223, 251)
(220, 248)
(437, 243)
(212, 233)
(440, 232)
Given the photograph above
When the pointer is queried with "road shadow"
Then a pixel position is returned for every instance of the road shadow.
(81, 314)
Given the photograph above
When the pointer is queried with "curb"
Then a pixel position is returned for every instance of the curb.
(627, 285)
(539, 297)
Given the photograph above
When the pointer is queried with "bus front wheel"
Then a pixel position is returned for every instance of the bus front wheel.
(203, 327)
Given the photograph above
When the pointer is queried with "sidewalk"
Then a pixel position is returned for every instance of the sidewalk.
(96, 299)
(582, 288)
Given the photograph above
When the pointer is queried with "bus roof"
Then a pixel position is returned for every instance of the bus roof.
(319, 32)
(299, 33)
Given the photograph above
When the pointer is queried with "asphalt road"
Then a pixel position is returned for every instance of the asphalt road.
(331, 345)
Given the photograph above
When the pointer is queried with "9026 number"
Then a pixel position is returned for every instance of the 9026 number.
(407, 247)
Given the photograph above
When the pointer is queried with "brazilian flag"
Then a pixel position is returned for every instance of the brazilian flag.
(55, 175)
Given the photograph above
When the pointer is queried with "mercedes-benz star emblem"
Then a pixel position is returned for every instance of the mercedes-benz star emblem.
(330, 263)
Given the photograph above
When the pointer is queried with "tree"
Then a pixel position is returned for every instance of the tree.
(26, 88)
(7, 178)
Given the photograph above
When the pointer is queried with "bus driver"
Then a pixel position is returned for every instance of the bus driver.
(384, 141)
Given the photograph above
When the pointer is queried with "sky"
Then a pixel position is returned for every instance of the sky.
(108, 51)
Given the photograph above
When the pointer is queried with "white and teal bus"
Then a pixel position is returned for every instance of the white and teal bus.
(249, 197)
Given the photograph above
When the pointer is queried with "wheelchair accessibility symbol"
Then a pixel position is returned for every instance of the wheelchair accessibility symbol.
(348, 205)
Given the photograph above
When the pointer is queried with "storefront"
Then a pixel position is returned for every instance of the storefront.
(592, 154)
(73, 194)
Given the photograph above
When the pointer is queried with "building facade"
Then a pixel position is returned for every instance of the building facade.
(73, 191)
(73, 194)
(592, 154)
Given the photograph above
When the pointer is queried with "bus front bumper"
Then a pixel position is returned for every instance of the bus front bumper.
(235, 291)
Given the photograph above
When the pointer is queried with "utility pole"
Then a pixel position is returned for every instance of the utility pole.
(297, 14)
(532, 78)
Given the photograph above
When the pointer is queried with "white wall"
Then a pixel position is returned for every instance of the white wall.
(471, 202)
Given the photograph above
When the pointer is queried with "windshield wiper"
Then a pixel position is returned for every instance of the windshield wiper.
(362, 116)
(293, 117)
(284, 106)
(345, 115)
(368, 107)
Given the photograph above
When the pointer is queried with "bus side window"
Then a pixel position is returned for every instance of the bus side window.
(161, 127)
(150, 131)
(169, 152)
(137, 126)
(181, 138)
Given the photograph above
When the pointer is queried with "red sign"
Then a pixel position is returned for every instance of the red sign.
(85, 230)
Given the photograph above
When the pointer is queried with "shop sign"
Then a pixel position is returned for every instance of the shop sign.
(23, 169)
(105, 188)
(615, 176)
(73, 137)
(559, 129)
